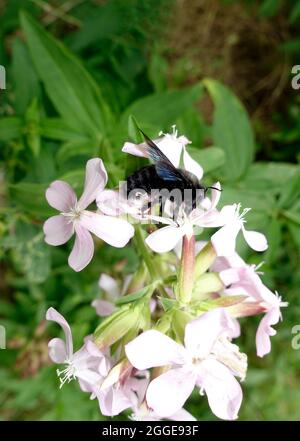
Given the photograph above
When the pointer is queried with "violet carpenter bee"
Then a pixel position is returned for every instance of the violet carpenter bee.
(162, 182)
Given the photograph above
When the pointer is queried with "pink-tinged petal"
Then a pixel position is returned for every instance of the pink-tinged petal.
(116, 232)
(167, 393)
(135, 149)
(109, 286)
(55, 316)
(58, 230)
(113, 401)
(229, 276)
(110, 202)
(95, 181)
(224, 240)
(57, 350)
(152, 348)
(265, 331)
(209, 219)
(201, 333)
(164, 239)
(257, 241)
(103, 307)
(83, 249)
(182, 415)
(223, 391)
(191, 165)
(235, 328)
(61, 196)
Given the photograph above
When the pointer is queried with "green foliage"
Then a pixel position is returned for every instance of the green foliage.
(82, 93)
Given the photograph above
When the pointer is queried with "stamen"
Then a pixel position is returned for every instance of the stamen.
(66, 375)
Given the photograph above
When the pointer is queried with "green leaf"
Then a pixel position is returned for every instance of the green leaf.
(70, 149)
(209, 158)
(274, 236)
(269, 177)
(11, 127)
(293, 216)
(295, 232)
(295, 13)
(290, 191)
(269, 8)
(147, 290)
(25, 79)
(157, 72)
(160, 110)
(58, 129)
(31, 197)
(73, 92)
(134, 131)
(32, 118)
(231, 130)
(262, 204)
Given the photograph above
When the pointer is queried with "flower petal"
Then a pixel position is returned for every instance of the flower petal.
(95, 181)
(135, 149)
(113, 401)
(257, 241)
(182, 415)
(55, 316)
(109, 286)
(60, 195)
(110, 202)
(201, 333)
(171, 147)
(215, 195)
(114, 231)
(223, 391)
(224, 239)
(103, 307)
(265, 331)
(152, 348)
(164, 239)
(191, 165)
(58, 230)
(83, 249)
(167, 393)
(57, 350)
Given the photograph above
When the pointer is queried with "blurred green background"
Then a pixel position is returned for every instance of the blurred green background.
(75, 72)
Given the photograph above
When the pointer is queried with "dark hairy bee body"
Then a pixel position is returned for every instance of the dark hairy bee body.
(162, 175)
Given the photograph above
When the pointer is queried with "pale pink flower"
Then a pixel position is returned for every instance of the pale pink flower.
(233, 221)
(166, 238)
(172, 146)
(243, 279)
(208, 360)
(121, 395)
(89, 365)
(74, 218)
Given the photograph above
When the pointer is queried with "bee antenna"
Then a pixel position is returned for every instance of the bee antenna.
(213, 188)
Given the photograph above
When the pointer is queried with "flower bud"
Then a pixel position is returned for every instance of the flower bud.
(127, 319)
(204, 259)
(205, 284)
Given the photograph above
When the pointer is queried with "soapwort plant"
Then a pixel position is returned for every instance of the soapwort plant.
(171, 327)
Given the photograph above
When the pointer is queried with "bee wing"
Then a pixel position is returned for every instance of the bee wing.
(168, 172)
(154, 151)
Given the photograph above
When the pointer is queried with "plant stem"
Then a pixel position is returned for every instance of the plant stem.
(148, 258)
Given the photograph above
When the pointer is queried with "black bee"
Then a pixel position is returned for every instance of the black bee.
(162, 175)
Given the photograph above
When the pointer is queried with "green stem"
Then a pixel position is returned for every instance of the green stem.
(148, 258)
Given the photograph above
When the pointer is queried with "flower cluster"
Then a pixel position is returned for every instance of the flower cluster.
(169, 328)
